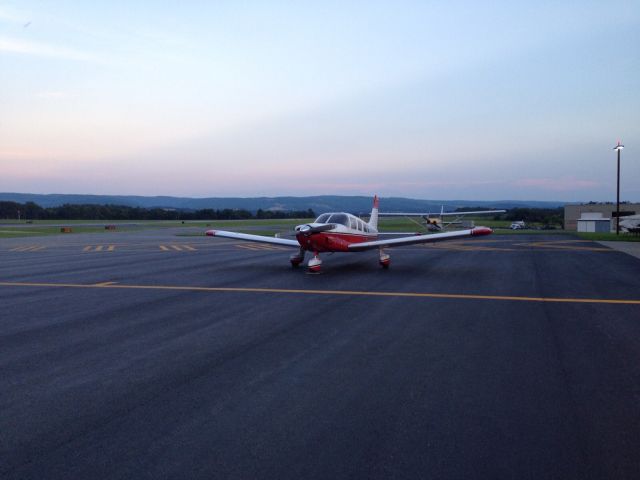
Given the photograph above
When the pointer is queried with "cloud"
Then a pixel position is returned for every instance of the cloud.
(10, 16)
(12, 45)
(557, 184)
(53, 95)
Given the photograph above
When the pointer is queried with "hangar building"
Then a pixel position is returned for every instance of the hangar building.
(608, 210)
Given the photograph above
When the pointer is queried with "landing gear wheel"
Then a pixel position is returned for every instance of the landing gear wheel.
(297, 259)
(314, 264)
(385, 260)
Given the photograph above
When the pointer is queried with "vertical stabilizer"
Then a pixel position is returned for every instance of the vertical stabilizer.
(373, 220)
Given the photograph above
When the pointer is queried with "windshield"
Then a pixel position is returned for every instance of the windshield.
(322, 218)
(340, 218)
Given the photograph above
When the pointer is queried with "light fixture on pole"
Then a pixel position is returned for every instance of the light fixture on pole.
(619, 148)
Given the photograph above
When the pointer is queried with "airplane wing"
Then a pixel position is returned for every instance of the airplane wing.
(403, 214)
(434, 237)
(253, 238)
(477, 212)
(438, 214)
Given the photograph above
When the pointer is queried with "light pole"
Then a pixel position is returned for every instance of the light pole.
(619, 148)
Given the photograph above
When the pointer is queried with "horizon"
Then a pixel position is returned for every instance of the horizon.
(516, 101)
(201, 197)
(382, 197)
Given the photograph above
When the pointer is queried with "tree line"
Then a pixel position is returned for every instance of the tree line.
(32, 211)
(546, 216)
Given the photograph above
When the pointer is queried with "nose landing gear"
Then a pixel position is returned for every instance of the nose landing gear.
(314, 263)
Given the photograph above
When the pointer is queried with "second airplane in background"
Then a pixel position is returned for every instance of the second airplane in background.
(435, 222)
(343, 232)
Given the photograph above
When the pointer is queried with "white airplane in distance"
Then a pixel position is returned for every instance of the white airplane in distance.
(630, 223)
(435, 221)
(343, 232)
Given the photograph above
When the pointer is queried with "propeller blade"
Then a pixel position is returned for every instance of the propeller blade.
(311, 229)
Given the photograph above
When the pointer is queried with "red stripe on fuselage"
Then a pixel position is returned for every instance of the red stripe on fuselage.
(331, 241)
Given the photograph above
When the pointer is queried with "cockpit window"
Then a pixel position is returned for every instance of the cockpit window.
(340, 218)
(323, 218)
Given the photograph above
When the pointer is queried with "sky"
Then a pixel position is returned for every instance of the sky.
(434, 100)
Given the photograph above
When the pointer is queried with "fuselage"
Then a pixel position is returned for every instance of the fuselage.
(334, 232)
(630, 222)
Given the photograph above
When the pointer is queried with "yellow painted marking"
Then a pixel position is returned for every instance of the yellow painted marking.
(562, 245)
(177, 248)
(474, 247)
(464, 247)
(98, 248)
(110, 285)
(28, 248)
(246, 246)
(259, 246)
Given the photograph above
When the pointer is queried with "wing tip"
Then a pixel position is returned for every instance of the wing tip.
(210, 233)
(479, 231)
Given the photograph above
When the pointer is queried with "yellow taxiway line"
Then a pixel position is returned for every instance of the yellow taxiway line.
(109, 285)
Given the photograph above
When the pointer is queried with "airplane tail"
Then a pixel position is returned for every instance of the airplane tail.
(373, 220)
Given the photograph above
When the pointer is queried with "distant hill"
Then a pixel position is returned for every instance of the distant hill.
(319, 204)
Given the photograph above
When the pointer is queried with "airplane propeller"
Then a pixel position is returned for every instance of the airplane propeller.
(310, 229)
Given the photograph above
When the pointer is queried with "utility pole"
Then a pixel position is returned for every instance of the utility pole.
(619, 148)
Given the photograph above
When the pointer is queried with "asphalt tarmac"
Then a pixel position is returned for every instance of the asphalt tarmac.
(149, 355)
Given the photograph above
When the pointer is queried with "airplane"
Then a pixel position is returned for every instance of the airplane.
(630, 223)
(434, 221)
(343, 232)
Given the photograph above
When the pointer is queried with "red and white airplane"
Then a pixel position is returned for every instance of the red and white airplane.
(343, 232)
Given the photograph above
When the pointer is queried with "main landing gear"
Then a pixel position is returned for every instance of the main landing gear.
(385, 259)
(297, 258)
(314, 263)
